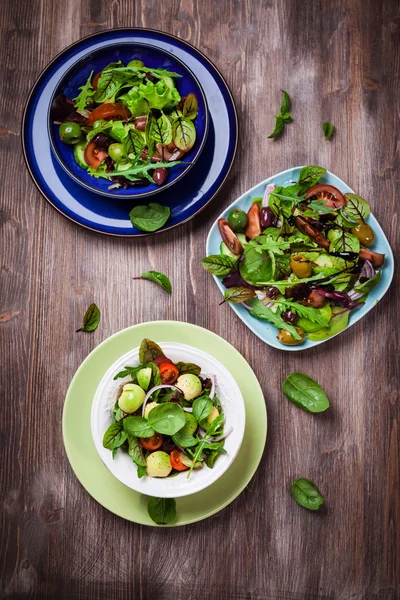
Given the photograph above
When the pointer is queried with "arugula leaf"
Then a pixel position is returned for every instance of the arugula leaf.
(262, 312)
(158, 278)
(137, 172)
(313, 314)
(328, 130)
(285, 106)
(309, 176)
(149, 350)
(91, 319)
(131, 371)
(162, 510)
(149, 218)
(306, 493)
(238, 294)
(219, 264)
(86, 92)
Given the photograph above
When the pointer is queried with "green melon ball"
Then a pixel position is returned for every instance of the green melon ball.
(190, 385)
(150, 407)
(213, 414)
(158, 464)
(132, 398)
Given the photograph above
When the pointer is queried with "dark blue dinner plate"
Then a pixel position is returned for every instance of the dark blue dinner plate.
(186, 197)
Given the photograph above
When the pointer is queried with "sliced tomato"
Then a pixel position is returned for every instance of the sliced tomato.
(161, 359)
(330, 194)
(229, 237)
(109, 110)
(374, 257)
(168, 372)
(95, 80)
(253, 227)
(94, 156)
(305, 227)
(176, 462)
(153, 442)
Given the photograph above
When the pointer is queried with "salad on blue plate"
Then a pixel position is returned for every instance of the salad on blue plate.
(300, 258)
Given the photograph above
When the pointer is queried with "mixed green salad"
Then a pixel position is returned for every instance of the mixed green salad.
(299, 258)
(167, 417)
(128, 124)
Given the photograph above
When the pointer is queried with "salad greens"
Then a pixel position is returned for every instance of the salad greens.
(162, 510)
(306, 493)
(91, 319)
(159, 278)
(283, 117)
(328, 130)
(149, 218)
(300, 258)
(303, 391)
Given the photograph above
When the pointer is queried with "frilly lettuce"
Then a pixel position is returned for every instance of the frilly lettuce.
(141, 98)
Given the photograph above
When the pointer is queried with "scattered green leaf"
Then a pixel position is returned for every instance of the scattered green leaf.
(91, 319)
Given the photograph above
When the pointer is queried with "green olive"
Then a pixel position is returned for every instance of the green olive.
(70, 133)
(284, 337)
(237, 220)
(364, 233)
(301, 266)
(116, 151)
(136, 63)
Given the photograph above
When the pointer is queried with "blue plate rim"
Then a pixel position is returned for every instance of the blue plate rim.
(142, 194)
(127, 30)
(236, 308)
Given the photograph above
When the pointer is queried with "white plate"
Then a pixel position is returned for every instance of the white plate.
(122, 466)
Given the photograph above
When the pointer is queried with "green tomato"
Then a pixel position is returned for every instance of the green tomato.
(132, 398)
(144, 376)
(190, 385)
(158, 464)
(70, 133)
(116, 151)
(237, 220)
(136, 63)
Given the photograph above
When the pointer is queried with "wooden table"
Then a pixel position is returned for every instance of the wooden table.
(339, 60)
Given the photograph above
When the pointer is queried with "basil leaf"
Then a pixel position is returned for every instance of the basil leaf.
(260, 311)
(115, 436)
(135, 451)
(309, 176)
(149, 218)
(190, 107)
(238, 294)
(356, 208)
(184, 439)
(305, 393)
(149, 350)
(131, 371)
(159, 278)
(162, 510)
(133, 141)
(279, 125)
(306, 493)
(188, 368)
(167, 418)
(91, 319)
(218, 264)
(368, 285)
(328, 130)
(285, 106)
(138, 427)
(201, 408)
(86, 91)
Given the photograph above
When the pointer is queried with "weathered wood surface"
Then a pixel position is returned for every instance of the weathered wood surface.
(340, 61)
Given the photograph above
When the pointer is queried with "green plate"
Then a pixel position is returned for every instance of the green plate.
(89, 468)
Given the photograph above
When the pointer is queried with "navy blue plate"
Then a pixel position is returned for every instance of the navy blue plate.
(187, 197)
(94, 62)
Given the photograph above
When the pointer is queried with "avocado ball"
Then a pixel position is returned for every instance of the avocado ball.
(149, 407)
(132, 398)
(158, 464)
(190, 385)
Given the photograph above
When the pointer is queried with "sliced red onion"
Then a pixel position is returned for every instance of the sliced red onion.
(154, 389)
(261, 295)
(246, 306)
(268, 190)
(355, 295)
(223, 436)
(202, 432)
(279, 223)
(187, 409)
(212, 391)
(367, 270)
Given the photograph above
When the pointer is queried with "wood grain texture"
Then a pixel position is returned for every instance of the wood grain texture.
(339, 60)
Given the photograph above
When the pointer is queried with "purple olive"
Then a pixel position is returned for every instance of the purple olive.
(160, 176)
(289, 316)
(140, 123)
(267, 217)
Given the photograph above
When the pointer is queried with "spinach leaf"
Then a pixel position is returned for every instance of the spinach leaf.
(328, 130)
(188, 368)
(356, 209)
(158, 278)
(263, 312)
(309, 176)
(279, 125)
(149, 218)
(91, 319)
(86, 91)
(368, 285)
(138, 427)
(162, 510)
(184, 439)
(238, 294)
(285, 106)
(218, 264)
(190, 107)
(305, 392)
(167, 418)
(131, 371)
(115, 436)
(202, 408)
(149, 350)
(306, 493)
(135, 451)
(257, 265)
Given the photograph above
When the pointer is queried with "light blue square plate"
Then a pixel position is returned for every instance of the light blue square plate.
(266, 331)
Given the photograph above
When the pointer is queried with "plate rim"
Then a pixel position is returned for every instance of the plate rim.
(130, 29)
(235, 308)
(264, 412)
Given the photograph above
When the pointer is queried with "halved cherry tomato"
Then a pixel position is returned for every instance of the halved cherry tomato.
(109, 110)
(94, 156)
(161, 359)
(153, 442)
(330, 194)
(229, 238)
(168, 372)
(176, 462)
(253, 227)
(95, 80)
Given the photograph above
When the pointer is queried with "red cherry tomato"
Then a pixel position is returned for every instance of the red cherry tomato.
(176, 462)
(94, 156)
(168, 372)
(153, 442)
